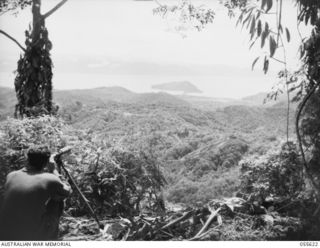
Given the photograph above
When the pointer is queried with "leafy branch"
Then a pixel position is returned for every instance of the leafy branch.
(250, 18)
(188, 14)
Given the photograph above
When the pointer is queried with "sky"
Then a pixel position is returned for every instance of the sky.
(120, 42)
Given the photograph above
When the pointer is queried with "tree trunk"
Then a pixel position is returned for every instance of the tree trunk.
(37, 20)
(34, 74)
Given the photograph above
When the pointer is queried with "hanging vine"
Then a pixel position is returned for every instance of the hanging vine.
(33, 83)
(304, 83)
(308, 113)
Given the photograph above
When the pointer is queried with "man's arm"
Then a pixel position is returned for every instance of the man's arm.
(58, 190)
(52, 166)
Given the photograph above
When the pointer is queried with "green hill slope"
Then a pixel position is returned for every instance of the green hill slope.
(197, 149)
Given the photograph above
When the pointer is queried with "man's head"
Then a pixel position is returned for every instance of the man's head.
(38, 157)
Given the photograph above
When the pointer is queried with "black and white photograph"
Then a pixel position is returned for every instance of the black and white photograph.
(159, 120)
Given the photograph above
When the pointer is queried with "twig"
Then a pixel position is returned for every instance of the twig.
(97, 162)
(182, 218)
(287, 81)
(125, 237)
(166, 233)
(157, 2)
(201, 221)
(278, 60)
(13, 39)
(316, 212)
(298, 28)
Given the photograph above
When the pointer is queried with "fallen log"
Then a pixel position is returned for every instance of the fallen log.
(185, 216)
(208, 223)
(195, 238)
(166, 233)
(316, 212)
(125, 237)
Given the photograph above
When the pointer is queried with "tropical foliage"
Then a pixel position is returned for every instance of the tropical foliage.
(13, 5)
(273, 174)
(33, 81)
(186, 14)
(123, 159)
(116, 181)
(266, 26)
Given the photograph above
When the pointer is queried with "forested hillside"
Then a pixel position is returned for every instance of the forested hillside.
(160, 166)
(168, 149)
(199, 150)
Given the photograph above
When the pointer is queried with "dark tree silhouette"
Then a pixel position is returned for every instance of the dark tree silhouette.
(33, 83)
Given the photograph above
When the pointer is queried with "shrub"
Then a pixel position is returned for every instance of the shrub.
(19, 135)
(180, 151)
(183, 192)
(201, 168)
(217, 184)
(276, 173)
(230, 153)
(113, 179)
(117, 181)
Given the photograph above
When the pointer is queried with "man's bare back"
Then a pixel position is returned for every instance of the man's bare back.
(32, 205)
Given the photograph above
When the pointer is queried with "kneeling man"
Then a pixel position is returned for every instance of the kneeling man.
(33, 200)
